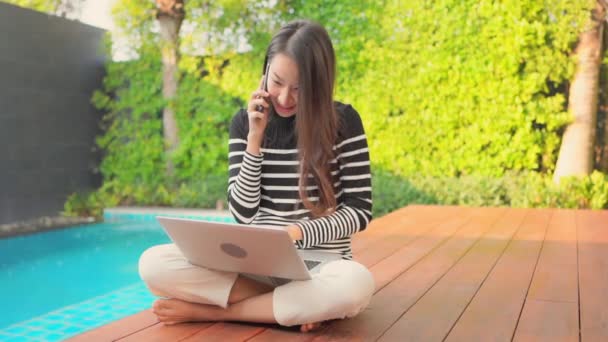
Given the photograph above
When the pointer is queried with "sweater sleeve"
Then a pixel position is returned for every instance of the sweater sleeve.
(354, 212)
(245, 172)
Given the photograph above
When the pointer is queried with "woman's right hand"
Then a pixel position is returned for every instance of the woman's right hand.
(257, 119)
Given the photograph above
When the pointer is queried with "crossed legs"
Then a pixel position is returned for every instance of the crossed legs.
(249, 301)
(342, 289)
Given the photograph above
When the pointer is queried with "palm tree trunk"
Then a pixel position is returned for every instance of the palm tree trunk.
(576, 155)
(602, 145)
(602, 141)
(170, 15)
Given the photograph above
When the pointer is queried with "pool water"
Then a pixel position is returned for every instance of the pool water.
(59, 283)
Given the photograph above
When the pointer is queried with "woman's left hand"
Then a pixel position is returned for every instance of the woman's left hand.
(294, 232)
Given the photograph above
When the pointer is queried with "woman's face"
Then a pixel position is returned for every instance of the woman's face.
(283, 83)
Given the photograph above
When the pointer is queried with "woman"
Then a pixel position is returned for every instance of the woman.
(299, 160)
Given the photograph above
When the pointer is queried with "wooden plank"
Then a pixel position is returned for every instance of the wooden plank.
(550, 312)
(225, 331)
(118, 329)
(389, 303)
(392, 266)
(493, 313)
(379, 226)
(285, 334)
(406, 235)
(161, 332)
(432, 317)
(416, 247)
(548, 321)
(556, 278)
(593, 274)
(403, 224)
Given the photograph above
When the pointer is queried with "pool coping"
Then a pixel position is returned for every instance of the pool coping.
(42, 224)
(150, 213)
(165, 210)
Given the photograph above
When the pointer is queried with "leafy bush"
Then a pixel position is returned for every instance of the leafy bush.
(204, 193)
(530, 190)
(390, 192)
(132, 141)
(468, 87)
(463, 101)
(536, 191)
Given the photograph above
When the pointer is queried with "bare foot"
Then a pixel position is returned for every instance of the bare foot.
(173, 311)
(308, 327)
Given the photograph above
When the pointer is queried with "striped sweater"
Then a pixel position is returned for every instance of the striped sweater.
(263, 189)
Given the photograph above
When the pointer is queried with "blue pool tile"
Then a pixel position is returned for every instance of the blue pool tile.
(34, 323)
(15, 330)
(80, 322)
(55, 337)
(5, 336)
(71, 311)
(36, 333)
(72, 330)
(78, 318)
(90, 326)
(51, 325)
(55, 317)
(22, 339)
(104, 307)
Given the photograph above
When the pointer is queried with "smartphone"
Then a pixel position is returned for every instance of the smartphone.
(260, 108)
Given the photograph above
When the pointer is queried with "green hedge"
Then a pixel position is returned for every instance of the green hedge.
(529, 190)
(390, 192)
(469, 87)
(463, 101)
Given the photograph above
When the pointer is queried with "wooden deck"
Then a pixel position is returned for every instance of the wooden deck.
(453, 274)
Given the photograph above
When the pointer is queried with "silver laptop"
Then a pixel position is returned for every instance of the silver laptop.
(249, 249)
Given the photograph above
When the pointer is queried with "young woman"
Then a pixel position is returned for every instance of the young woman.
(298, 160)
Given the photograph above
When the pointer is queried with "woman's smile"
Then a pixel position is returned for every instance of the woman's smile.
(283, 110)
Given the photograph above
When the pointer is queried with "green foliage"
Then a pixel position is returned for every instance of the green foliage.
(46, 6)
(85, 205)
(528, 189)
(463, 101)
(390, 192)
(135, 22)
(353, 26)
(588, 192)
(203, 114)
(468, 87)
(134, 164)
(133, 142)
(202, 193)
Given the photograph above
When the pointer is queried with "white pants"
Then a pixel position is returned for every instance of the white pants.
(340, 289)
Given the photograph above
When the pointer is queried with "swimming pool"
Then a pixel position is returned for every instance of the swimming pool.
(63, 282)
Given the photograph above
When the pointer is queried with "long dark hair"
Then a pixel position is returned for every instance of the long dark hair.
(309, 45)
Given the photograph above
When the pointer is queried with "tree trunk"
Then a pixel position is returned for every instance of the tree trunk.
(602, 141)
(576, 155)
(602, 146)
(170, 15)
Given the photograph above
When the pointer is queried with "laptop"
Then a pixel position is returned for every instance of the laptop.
(248, 249)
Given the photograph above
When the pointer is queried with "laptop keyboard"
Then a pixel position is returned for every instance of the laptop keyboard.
(310, 264)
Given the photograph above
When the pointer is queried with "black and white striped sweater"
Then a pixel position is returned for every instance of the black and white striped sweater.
(263, 189)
